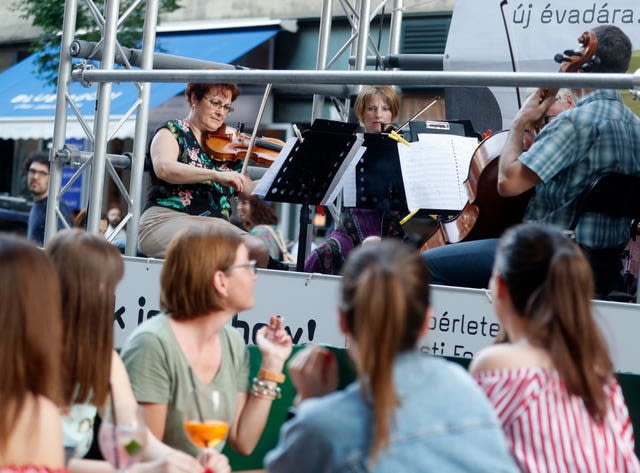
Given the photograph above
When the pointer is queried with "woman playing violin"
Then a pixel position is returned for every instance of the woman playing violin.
(190, 187)
(374, 107)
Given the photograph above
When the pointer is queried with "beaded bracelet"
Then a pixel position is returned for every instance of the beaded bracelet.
(264, 390)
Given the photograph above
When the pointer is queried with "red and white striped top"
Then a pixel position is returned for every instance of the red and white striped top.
(550, 430)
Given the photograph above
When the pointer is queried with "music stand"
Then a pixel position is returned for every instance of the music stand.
(425, 221)
(310, 171)
(379, 183)
(449, 127)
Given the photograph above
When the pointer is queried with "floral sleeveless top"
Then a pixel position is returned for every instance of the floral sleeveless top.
(210, 199)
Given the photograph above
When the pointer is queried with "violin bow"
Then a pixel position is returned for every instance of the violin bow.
(254, 134)
(513, 59)
(416, 115)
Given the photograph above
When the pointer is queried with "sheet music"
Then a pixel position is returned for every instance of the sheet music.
(263, 185)
(434, 169)
(352, 158)
(348, 183)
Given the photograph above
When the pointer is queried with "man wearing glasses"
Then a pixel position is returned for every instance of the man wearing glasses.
(37, 167)
(190, 185)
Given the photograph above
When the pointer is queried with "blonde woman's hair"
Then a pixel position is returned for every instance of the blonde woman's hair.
(388, 92)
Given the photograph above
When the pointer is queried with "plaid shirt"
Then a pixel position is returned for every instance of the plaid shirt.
(600, 134)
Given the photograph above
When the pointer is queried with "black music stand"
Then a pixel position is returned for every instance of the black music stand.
(311, 171)
(449, 127)
(379, 183)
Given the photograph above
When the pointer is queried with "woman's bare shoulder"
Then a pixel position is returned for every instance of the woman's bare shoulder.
(508, 355)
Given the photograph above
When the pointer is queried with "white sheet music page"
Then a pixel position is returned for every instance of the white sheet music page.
(348, 183)
(434, 169)
(349, 162)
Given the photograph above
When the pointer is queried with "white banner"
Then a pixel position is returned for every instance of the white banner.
(464, 321)
(494, 36)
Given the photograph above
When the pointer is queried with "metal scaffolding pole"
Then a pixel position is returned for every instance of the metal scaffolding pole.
(98, 160)
(395, 30)
(359, 43)
(321, 58)
(426, 78)
(142, 120)
(59, 130)
(134, 57)
(363, 35)
(102, 118)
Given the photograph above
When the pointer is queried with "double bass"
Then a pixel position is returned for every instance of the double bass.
(486, 213)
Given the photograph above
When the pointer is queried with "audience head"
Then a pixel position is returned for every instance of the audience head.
(37, 168)
(550, 286)
(89, 269)
(255, 211)
(104, 223)
(197, 259)
(114, 216)
(376, 105)
(614, 50)
(30, 326)
(384, 308)
(80, 220)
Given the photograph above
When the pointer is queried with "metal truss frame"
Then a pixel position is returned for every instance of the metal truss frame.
(360, 43)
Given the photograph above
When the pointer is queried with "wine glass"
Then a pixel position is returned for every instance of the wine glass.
(205, 419)
(123, 435)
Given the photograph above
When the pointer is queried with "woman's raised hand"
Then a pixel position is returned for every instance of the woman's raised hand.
(314, 372)
(217, 463)
(274, 343)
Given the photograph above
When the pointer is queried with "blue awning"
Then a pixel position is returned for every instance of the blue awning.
(27, 103)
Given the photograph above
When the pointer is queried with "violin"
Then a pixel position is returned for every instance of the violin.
(228, 144)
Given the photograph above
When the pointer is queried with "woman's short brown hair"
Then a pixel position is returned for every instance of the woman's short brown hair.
(200, 90)
(193, 257)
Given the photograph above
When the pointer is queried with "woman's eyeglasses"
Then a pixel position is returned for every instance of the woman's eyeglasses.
(250, 265)
(218, 106)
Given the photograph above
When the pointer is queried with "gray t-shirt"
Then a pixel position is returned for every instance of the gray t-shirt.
(159, 373)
